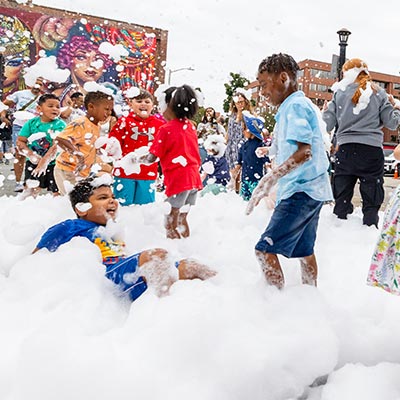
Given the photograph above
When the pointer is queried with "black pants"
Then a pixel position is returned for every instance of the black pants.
(365, 163)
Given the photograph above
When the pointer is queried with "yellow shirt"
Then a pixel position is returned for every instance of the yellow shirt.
(82, 133)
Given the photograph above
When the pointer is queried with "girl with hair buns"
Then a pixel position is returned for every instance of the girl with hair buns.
(234, 138)
(175, 145)
(357, 112)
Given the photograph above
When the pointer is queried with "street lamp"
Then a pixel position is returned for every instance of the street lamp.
(343, 37)
(171, 71)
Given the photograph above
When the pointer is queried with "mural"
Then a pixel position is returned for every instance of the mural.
(113, 56)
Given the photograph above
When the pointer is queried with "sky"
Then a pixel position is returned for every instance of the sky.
(216, 37)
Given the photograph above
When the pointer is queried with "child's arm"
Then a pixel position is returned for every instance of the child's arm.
(299, 157)
(23, 148)
(44, 162)
(68, 146)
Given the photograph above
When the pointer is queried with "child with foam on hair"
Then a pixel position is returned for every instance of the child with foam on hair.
(215, 169)
(96, 209)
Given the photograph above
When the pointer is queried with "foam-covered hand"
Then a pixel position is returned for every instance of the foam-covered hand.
(262, 190)
(41, 167)
(113, 148)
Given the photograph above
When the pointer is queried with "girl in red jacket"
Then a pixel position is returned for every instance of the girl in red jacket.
(178, 151)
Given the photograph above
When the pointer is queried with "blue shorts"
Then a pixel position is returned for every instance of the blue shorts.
(134, 191)
(292, 229)
(125, 274)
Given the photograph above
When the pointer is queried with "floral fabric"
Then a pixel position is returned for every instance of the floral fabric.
(384, 271)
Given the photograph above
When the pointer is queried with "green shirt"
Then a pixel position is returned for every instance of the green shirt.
(40, 134)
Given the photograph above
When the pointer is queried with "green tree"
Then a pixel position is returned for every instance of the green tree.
(236, 81)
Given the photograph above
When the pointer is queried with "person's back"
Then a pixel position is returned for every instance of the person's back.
(177, 148)
(361, 123)
(358, 111)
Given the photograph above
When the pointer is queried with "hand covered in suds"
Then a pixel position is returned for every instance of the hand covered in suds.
(262, 190)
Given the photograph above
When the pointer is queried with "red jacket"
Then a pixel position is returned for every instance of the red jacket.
(177, 147)
(133, 132)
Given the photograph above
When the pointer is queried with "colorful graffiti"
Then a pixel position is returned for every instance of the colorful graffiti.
(77, 46)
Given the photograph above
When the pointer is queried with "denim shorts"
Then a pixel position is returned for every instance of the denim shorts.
(292, 229)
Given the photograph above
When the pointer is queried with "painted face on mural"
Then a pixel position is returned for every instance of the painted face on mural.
(87, 66)
(12, 69)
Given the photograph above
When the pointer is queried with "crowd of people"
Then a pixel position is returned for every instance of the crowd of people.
(102, 160)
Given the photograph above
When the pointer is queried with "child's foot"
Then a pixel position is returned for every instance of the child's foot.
(173, 234)
(192, 269)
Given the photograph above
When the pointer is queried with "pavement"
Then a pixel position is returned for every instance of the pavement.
(7, 182)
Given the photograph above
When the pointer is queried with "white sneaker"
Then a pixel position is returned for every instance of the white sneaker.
(19, 187)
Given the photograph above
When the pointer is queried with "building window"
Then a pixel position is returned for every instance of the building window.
(321, 74)
(381, 84)
(318, 88)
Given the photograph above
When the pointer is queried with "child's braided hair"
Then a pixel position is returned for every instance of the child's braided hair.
(278, 63)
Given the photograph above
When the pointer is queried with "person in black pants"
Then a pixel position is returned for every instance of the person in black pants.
(358, 111)
(355, 161)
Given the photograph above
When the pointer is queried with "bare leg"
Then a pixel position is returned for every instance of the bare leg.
(309, 270)
(235, 176)
(35, 192)
(192, 269)
(183, 226)
(19, 166)
(171, 224)
(157, 270)
(271, 268)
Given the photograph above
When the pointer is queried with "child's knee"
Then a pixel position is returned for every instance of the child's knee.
(149, 255)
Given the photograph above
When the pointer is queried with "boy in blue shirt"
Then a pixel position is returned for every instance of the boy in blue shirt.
(301, 169)
(34, 141)
(95, 206)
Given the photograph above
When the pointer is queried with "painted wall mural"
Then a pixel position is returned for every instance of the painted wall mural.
(117, 57)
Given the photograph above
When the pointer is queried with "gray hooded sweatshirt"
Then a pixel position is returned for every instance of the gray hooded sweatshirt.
(365, 126)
